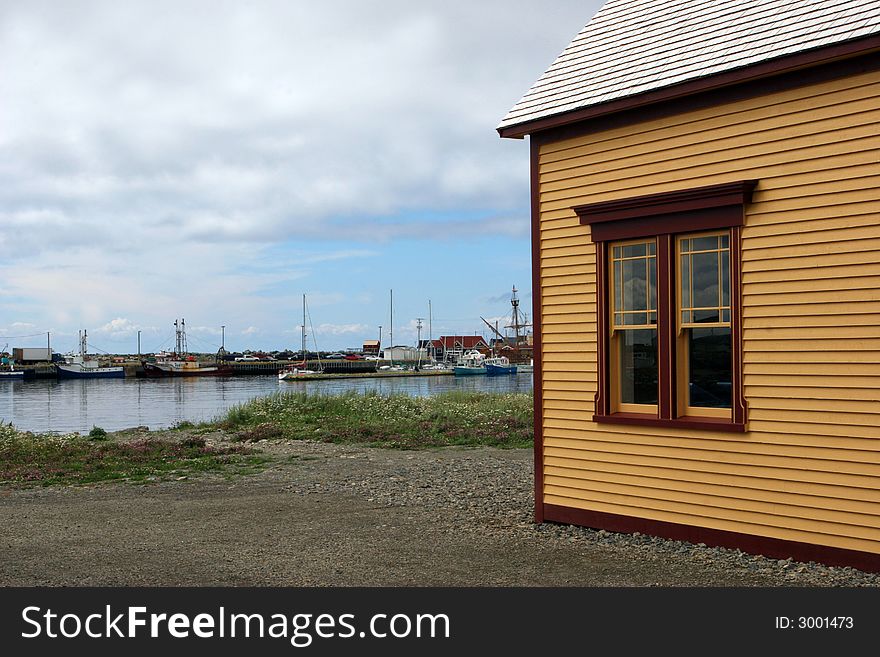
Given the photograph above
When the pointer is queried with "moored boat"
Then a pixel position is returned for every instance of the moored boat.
(499, 365)
(83, 366)
(7, 368)
(180, 363)
(295, 371)
(471, 363)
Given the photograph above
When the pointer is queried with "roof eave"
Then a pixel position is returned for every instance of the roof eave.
(780, 65)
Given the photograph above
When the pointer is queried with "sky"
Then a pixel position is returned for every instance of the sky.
(215, 161)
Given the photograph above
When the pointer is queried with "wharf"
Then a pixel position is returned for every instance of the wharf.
(368, 375)
(331, 369)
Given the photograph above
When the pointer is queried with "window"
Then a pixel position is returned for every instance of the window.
(634, 326)
(668, 299)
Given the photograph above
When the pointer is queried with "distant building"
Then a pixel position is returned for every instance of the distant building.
(402, 352)
(371, 347)
(449, 347)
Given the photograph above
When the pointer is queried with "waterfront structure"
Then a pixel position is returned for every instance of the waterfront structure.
(371, 348)
(706, 267)
(404, 353)
(452, 347)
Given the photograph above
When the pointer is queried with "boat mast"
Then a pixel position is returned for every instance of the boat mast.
(304, 330)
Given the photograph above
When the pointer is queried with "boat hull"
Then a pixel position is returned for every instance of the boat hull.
(12, 376)
(74, 372)
(154, 370)
(499, 370)
(460, 370)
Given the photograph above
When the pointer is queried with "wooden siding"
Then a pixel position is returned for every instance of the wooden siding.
(808, 468)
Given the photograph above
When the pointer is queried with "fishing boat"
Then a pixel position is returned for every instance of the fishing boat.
(471, 363)
(83, 366)
(7, 368)
(298, 370)
(499, 365)
(181, 363)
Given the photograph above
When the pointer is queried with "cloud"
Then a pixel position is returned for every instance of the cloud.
(167, 124)
(342, 329)
(251, 330)
(212, 160)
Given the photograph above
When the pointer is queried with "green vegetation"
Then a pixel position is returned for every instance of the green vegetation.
(498, 420)
(44, 459)
(97, 433)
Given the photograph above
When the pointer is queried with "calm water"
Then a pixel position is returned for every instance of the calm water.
(80, 404)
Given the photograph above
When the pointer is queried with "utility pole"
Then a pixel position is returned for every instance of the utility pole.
(431, 333)
(380, 337)
(391, 328)
(139, 344)
(222, 337)
(419, 342)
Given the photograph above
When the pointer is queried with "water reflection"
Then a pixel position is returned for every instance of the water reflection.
(113, 404)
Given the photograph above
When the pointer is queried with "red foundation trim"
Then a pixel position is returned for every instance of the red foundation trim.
(769, 547)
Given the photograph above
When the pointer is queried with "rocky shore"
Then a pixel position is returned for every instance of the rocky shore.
(331, 515)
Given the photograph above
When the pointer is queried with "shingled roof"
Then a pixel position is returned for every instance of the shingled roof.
(633, 47)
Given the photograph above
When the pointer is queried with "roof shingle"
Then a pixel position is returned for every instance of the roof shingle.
(635, 46)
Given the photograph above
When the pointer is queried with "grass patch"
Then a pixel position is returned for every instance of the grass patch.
(401, 421)
(45, 459)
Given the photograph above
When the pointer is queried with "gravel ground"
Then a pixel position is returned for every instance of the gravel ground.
(330, 515)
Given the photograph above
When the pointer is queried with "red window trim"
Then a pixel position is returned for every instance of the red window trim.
(663, 216)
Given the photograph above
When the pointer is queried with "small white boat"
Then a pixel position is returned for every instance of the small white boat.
(292, 372)
(295, 371)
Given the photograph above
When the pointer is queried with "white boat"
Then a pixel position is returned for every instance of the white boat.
(471, 363)
(298, 370)
(83, 366)
(294, 371)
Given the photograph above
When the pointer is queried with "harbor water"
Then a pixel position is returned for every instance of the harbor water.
(77, 405)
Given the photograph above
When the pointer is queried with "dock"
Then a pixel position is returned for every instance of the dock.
(330, 369)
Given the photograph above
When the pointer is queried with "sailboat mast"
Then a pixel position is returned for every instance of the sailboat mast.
(304, 329)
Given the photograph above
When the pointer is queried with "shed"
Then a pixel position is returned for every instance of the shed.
(706, 275)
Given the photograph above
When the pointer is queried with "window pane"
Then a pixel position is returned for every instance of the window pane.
(685, 246)
(633, 250)
(709, 359)
(686, 317)
(652, 283)
(618, 288)
(638, 366)
(635, 319)
(686, 281)
(725, 278)
(634, 285)
(704, 243)
(705, 279)
(705, 316)
(725, 315)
